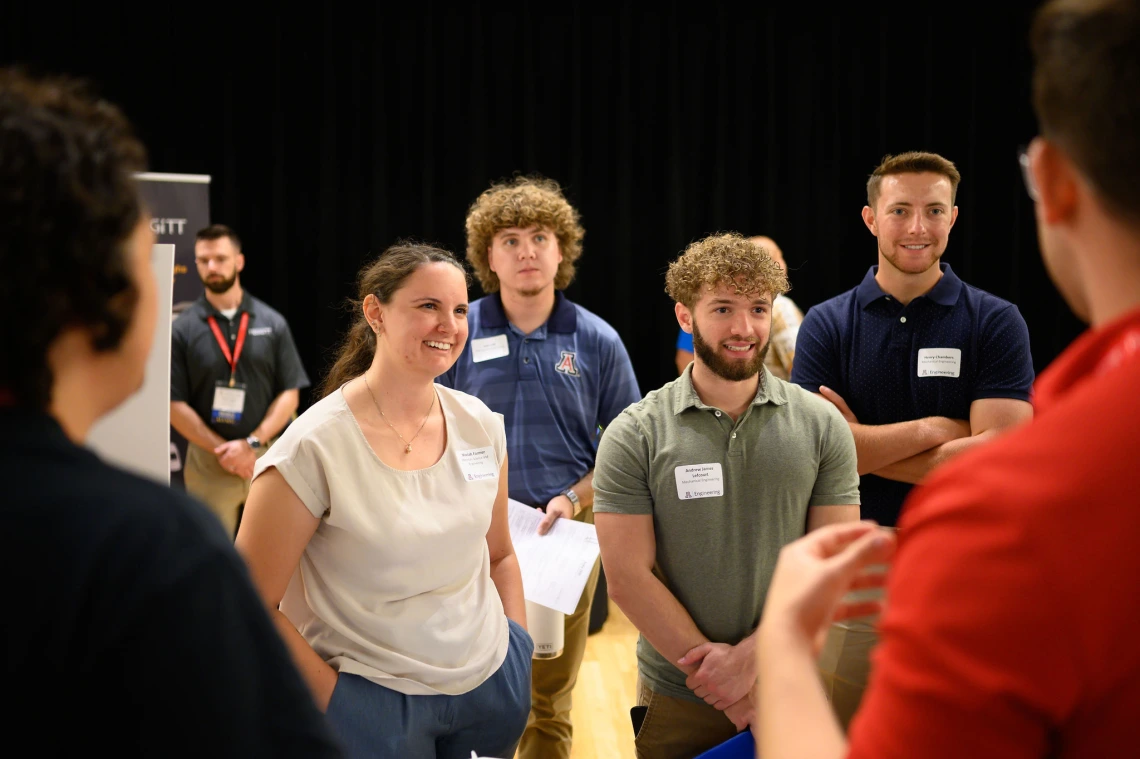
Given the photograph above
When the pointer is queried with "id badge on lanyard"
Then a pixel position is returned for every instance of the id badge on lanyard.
(229, 397)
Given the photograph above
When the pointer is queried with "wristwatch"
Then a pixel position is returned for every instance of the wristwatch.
(569, 493)
(253, 442)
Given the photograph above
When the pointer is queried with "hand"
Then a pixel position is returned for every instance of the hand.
(726, 673)
(236, 457)
(558, 508)
(837, 401)
(816, 571)
(742, 713)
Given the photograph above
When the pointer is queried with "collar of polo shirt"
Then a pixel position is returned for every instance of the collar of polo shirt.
(945, 293)
(769, 391)
(563, 319)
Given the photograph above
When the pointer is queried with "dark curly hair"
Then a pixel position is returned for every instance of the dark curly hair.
(68, 204)
(725, 258)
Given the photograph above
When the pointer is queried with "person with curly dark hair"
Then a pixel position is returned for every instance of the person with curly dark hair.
(129, 611)
(557, 373)
(697, 489)
(786, 320)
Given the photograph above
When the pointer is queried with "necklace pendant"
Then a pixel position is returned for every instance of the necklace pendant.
(408, 449)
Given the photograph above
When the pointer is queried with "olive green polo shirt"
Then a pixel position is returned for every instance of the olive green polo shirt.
(725, 497)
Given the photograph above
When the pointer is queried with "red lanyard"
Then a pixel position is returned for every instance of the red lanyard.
(225, 346)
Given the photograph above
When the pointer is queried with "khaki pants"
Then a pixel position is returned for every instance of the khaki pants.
(224, 493)
(676, 728)
(845, 664)
(548, 729)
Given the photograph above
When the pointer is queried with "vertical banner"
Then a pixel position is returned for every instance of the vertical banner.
(179, 205)
(136, 434)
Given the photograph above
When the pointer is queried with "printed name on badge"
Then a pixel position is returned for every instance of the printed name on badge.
(699, 481)
(487, 348)
(478, 464)
(229, 402)
(939, 362)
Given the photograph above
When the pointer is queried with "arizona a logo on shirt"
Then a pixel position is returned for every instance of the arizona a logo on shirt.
(568, 364)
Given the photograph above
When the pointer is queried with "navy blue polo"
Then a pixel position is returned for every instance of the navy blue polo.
(894, 363)
(555, 388)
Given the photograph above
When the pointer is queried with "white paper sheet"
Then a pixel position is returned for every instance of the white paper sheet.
(555, 566)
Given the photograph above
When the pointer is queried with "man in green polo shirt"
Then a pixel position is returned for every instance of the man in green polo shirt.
(698, 487)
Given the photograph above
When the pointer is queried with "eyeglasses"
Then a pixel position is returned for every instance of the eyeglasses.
(1026, 174)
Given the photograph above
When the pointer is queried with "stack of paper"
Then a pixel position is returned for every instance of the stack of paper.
(555, 566)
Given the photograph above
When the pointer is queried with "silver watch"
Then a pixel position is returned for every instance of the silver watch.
(569, 493)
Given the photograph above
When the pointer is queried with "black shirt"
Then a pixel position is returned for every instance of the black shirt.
(131, 624)
(268, 366)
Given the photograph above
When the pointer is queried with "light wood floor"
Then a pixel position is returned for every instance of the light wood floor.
(606, 689)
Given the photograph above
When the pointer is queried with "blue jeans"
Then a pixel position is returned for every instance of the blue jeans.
(374, 722)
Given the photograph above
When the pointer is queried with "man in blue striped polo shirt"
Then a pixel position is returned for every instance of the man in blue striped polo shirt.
(558, 374)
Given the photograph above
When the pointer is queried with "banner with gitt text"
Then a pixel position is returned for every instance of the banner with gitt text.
(179, 205)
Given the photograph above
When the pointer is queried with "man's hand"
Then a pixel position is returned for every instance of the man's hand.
(558, 508)
(726, 673)
(839, 403)
(813, 575)
(236, 457)
(742, 713)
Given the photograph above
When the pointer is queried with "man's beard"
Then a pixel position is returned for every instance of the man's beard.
(219, 286)
(733, 371)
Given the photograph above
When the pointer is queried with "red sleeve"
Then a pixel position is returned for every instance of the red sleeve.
(974, 659)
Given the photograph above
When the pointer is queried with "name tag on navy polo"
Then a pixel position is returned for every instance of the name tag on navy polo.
(939, 362)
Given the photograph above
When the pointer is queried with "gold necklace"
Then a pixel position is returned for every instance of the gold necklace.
(407, 443)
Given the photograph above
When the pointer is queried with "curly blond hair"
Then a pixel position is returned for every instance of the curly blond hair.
(727, 258)
(523, 202)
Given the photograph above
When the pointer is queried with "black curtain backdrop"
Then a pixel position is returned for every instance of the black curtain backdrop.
(332, 132)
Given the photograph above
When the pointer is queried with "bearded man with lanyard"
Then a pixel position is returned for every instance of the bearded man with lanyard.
(235, 377)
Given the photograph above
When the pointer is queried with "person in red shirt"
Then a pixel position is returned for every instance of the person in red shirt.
(1013, 597)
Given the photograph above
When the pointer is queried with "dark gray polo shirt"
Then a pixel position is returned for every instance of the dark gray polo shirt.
(725, 497)
(268, 365)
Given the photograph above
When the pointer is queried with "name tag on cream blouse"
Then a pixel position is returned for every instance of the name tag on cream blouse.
(478, 464)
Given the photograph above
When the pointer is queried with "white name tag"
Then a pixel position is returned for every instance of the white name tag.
(939, 362)
(261, 331)
(228, 404)
(487, 348)
(699, 481)
(478, 464)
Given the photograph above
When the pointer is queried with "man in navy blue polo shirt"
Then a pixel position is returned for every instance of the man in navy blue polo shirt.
(558, 374)
(922, 365)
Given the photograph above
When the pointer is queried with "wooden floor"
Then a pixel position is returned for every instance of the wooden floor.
(606, 689)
